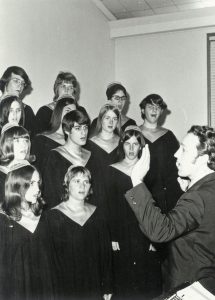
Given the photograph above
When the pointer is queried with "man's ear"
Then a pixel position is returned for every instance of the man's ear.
(203, 159)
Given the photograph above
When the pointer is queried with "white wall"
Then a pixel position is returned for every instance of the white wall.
(172, 64)
(48, 36)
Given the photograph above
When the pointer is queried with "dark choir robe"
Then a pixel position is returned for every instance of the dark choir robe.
(161, 178)
(58, 162)
(41, 145)
(126, 124)
(30, 120)
(137, 272)
(3, 174)
(43, 117)
(82, 254)
(102, 159)
(25, 265)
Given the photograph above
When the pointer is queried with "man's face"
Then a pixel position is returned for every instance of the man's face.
(187, 156)
(15, 85)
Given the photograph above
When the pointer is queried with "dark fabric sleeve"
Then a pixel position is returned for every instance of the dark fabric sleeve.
(105, 258)
(53, 177)
(43, 118)
(30, 120)
(159, 227)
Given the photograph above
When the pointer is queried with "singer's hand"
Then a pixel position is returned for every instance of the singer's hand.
(141, 167)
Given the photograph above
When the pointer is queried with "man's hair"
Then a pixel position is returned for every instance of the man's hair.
(206, 136)
(17, 71)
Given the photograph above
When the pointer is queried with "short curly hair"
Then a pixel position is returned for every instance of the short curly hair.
(206, 136)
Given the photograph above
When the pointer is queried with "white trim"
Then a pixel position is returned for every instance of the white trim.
(197, 18)
(104, 10)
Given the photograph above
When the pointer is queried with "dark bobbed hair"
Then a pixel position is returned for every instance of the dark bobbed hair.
(113, 88)
(79, 116)
(5, 105)
(7, 76)
(126, 135)
(6, 144)
(57, 113)
(101, 115)
(152, 99)
(206, 136)
(66, 77)
(71, 173)
(16, 185)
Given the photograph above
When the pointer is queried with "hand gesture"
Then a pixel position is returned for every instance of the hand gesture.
(141, 168)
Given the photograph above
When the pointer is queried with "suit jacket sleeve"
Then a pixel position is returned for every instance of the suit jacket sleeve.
(159, 227)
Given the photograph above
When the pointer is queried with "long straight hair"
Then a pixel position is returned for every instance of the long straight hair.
(16, 185)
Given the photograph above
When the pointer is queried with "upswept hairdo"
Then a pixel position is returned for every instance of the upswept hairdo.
(113, 88)
(16, 185)
(153, 99)
(126, 135)
(71, 173)
(79, 116)
(5, 105)
(57, 113)
(102, 113)
(6, 144)
(17, 71)
(206, 136)
(66, 77)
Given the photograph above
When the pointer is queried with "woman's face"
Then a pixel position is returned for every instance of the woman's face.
(15, 113)
(109, 121)
(15, 85)
(119, 99)
(66, 89)
(20, 147)
(33, 191)
(152, 113)
(67, 109)
(131, 148)
(79, 187)
(78, 134)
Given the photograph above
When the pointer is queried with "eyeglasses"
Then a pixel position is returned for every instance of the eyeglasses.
(67, 88)
(118, 98)
(153, 107)
(18, 81)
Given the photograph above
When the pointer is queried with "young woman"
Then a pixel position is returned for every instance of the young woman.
(136, 269)
(75, 127)
(11, 111)
(104, 145)
(116, 95)
(81, 241)
(161, 179)
(14, 147)
(46, 141)
(24, 260)
(65, 85)
(15, 81)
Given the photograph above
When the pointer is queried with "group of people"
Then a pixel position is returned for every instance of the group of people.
(77, 221)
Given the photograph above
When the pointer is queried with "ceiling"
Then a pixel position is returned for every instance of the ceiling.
(124, 9)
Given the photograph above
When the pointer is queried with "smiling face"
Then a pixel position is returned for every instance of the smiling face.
(79, 187)
(15, 85)
(15, 113)
(78, 134)
(109, 121)
(20, 147)
(33, 191)
(131, 148)
(152, 113)
(119, 99)
(187, 156)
